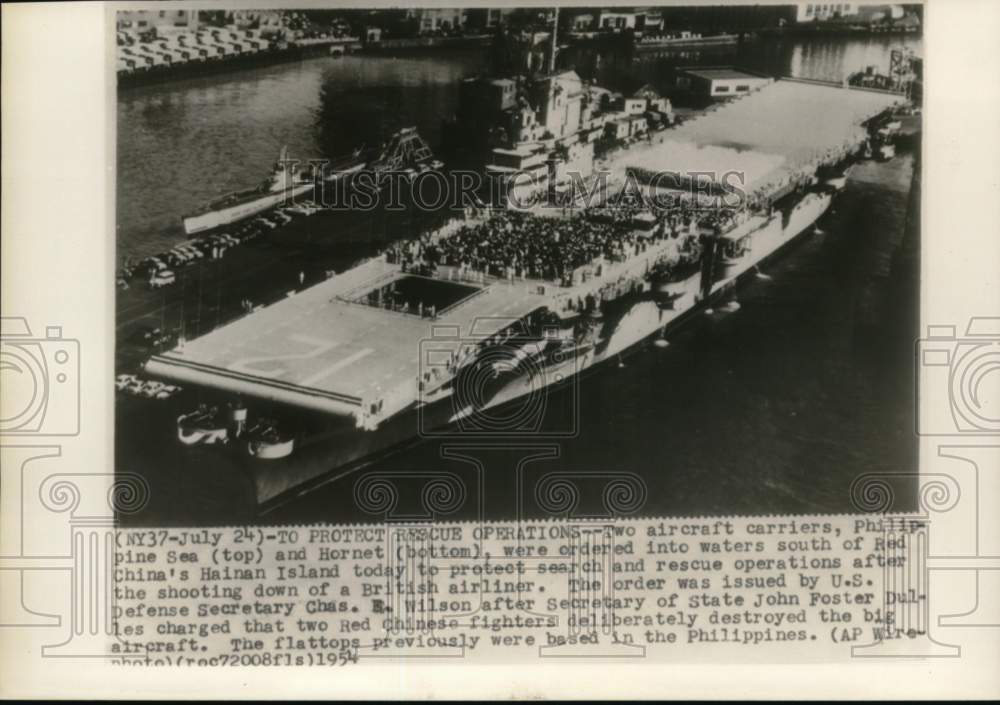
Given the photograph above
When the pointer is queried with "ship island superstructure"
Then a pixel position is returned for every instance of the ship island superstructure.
(536, 125)
(490, 307)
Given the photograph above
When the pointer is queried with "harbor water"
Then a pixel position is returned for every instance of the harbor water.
(772, 408)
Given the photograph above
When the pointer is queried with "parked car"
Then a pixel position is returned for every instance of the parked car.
(124, 381)
(162, 278)
(151, 388)
(167, 391)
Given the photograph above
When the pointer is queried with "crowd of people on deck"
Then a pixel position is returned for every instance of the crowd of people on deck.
(517, 245)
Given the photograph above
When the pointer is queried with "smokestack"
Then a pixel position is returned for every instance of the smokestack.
(555, 31)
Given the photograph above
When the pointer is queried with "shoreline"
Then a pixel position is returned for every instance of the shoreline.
(233, 64)
(161, 74)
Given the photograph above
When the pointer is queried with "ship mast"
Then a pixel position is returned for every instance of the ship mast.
(552, 53)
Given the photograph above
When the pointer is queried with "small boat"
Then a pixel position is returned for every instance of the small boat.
(268, 443)
(278, 188)
(201, 427)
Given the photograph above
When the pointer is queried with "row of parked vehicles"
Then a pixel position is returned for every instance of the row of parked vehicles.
(283, 216)
(147, 388)
(158, 270)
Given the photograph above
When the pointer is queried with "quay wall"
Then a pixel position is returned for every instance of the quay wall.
(267, 57)
(425, 43)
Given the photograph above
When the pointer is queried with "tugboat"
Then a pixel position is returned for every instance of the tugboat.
(282, 185)
(201, 427)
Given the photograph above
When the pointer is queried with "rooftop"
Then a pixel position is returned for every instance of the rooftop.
(722, 73)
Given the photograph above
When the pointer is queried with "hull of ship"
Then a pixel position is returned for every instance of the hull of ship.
(343, 448)
(203, 222)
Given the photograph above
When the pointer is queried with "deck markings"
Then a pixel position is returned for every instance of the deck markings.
(247, 365)
(340, 364)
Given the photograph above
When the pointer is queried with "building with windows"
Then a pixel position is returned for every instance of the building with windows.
(144, 20)
(823, 11)
(433, 19)
(260, 19)
(559, 99)
(619, 20)
(863, 11)
(720, 81)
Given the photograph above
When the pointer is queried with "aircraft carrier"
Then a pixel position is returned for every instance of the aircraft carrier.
(428, 339)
